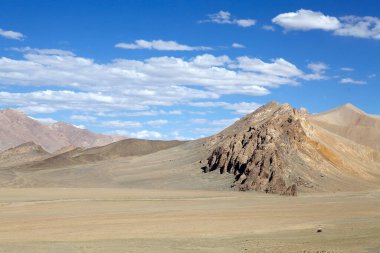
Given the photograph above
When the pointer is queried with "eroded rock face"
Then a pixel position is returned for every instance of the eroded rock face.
(259, 150)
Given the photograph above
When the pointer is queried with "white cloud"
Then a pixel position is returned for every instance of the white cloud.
(352, 81)
(238, 108)
(144, 134)
(157, 123)
(41, 108)
(134, 87)
(220, 122)
(52, 51)
(268, 28)
(47, 121)
(318, 68)
(245, 22)
(224, 17)
(306, 20)
(11, 35)
(49, 101)
(279, 67)
(139, 113)
(209, 127)
(208, 60)
(347, 69)
(121, 124)
(361, 27)
(159, 45)
(237, 45)
(354, 26)
(84, 118)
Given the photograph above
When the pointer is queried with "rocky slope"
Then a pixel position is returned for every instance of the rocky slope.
(277, 150)
(17, 128)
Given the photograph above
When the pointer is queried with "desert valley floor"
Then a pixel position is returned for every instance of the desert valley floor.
(136, 220)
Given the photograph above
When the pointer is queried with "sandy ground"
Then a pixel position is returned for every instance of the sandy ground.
(136, 220)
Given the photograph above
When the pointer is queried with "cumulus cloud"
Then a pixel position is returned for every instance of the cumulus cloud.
(160, 45)
(306, 20)
(84, 118)
(224, 17)
(134, 86)
(237, 45)
(361, 27)
(157, 123)
(318, 68)
(279, 67)
(46, 51)
(354, 26)
(143, 134)
(219, 123)
(40, 108)
(347, 69)
(208, 60)
(139, 113)
(121, 124)
(238, 108)
(48, 101)
(352, 81)
(11, 35)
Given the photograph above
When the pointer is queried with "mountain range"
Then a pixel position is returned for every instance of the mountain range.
(17, 128)
(275, 149)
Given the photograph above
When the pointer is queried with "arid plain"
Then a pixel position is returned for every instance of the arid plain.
(136, 220)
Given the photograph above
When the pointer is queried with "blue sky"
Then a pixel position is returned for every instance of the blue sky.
(184, 69)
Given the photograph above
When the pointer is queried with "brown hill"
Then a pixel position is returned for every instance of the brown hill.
(123, 148)
(21, 154)
(351, 123)
(17, 128)
(277, 149)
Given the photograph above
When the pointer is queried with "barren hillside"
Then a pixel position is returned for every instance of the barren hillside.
(351, 123)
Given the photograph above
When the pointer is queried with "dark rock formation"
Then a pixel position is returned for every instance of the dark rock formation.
(259, 150)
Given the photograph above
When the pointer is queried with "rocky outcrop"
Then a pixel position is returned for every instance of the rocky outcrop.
(259, 150)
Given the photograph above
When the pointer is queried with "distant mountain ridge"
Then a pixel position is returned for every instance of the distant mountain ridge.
(17, 128)
(351, 123)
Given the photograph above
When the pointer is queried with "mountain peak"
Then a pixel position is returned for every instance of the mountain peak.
(351, 107)
(255, 149)
(10, 112)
